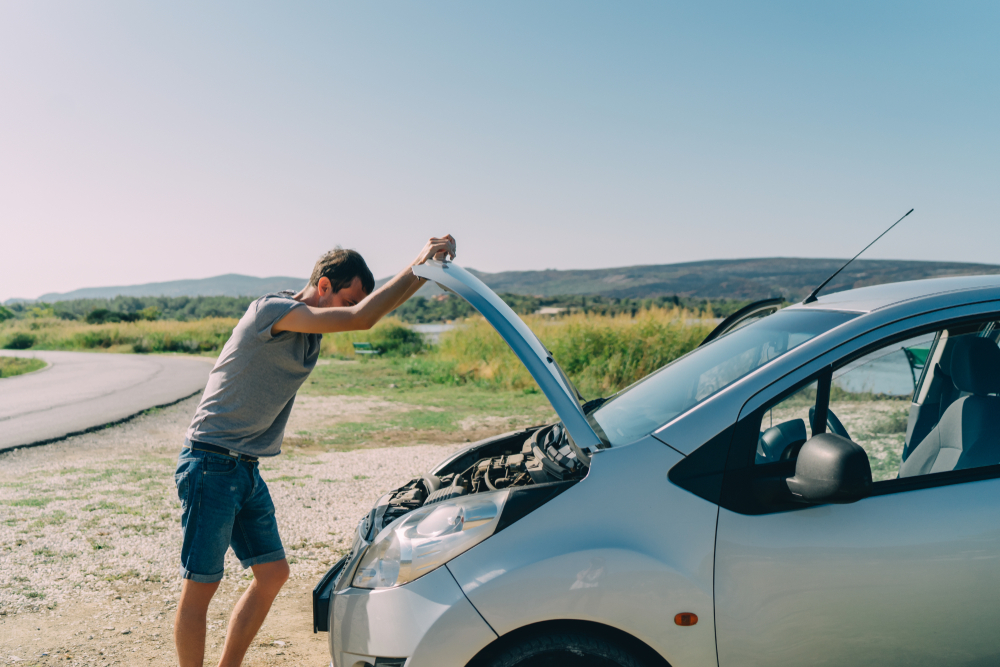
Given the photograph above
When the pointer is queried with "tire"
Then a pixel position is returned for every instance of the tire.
(568, 649)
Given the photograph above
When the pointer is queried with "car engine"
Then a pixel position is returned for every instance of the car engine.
(533, 456)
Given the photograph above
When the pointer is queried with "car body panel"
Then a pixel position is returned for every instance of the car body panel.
(904, 579)
(876, 297)
(521, 340)
(428, 621)
(623, 547)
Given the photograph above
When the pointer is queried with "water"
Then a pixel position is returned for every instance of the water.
(886, 371)
(432, 332)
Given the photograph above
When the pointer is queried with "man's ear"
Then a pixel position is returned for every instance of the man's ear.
(324, 286)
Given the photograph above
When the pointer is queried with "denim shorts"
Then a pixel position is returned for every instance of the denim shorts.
(225, 504)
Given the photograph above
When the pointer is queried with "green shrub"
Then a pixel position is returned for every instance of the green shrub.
(105, 316)
(342, 344)
(20, 341)
(397, 341)
(88, 340)
(6, 314)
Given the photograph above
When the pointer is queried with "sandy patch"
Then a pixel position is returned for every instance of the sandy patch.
(90, 540)
(494, 423)
(312, 413)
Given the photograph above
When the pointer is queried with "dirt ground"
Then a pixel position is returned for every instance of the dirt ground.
(90, 540)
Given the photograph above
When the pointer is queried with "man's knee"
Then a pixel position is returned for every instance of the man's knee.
(271, 576)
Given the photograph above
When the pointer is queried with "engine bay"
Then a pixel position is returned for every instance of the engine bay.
(537, 455)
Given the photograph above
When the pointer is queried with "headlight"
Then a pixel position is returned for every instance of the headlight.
(427, 538)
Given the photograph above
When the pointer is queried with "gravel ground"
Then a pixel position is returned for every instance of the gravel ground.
(90, 543)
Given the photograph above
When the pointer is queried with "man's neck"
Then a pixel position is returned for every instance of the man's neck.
(309, 296)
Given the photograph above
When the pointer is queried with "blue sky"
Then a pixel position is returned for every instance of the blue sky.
(145, 142)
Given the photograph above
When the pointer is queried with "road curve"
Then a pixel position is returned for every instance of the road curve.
(82, 390)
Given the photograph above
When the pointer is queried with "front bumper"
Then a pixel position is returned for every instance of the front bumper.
(429, 622)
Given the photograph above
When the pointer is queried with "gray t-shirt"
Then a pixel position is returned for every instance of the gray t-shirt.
(252, 388)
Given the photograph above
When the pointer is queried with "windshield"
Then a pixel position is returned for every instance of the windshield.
(700, 374)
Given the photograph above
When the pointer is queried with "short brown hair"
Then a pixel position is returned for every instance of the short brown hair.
(341, 267)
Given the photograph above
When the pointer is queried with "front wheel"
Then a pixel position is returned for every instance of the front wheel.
(569, 649)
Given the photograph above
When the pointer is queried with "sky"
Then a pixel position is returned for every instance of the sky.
(145, 142)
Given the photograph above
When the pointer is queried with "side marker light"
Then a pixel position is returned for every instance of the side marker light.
(685, 619)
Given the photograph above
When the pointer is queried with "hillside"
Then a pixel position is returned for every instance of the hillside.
(743, 279)
(231, 284)
(738, 279)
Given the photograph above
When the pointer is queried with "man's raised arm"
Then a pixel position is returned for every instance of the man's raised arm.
(364, 314)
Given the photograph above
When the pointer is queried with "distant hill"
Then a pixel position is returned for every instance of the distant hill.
(741, 279)
(744, 279)
(231, 284)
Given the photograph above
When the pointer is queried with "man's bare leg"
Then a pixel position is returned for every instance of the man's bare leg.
(189, 622)
(251, 610)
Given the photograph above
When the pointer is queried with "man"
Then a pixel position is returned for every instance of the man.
(241, 417)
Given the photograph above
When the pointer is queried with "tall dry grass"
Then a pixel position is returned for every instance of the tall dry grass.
(207, 335)
(600, 353)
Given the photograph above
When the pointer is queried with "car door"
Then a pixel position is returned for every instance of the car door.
(908, 576)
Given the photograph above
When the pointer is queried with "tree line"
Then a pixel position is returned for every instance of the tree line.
(416, 310)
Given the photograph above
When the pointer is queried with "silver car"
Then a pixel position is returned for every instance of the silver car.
(818, 485)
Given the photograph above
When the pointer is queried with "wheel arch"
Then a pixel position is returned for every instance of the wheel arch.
(632, 644)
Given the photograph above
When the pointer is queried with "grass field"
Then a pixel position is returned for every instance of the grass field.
(10, 366)
(600, 353)
(380, 402)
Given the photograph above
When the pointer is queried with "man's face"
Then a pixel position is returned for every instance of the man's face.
(346, 297)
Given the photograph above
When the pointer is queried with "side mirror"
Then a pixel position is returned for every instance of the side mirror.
(830, 469)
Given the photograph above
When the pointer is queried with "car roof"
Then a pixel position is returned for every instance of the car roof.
(868, 299)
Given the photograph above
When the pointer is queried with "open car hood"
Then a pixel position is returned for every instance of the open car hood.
(522, 341)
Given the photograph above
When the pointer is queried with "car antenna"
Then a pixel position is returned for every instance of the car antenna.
(812, 297)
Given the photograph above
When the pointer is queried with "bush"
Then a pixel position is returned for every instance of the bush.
(397, 341)
(88, 340)
(98, 316)
(105, 316)
(6, 314)
(382, 336)
(20, 341)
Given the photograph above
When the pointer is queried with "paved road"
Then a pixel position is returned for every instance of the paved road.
(81, 390)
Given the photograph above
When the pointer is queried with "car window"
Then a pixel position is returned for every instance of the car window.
(954, 421)
(871, 397)
(925, 405)
(786, 426)
(686, 382)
